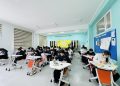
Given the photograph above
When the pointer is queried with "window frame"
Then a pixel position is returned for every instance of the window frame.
(105, 22)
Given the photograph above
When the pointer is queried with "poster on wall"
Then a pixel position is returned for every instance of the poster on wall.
(105, 43)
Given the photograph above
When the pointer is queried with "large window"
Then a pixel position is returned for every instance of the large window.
(22, 38)
(104, 23)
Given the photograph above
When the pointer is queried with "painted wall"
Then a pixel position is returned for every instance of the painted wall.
(42, 40)
(82, 37)
(35, 40)
(114, 7)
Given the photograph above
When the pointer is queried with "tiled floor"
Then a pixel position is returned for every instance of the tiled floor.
(77, 77)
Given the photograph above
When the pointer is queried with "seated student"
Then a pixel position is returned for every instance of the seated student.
(3, 53)
(105, 59)
(70, 53)
(66, 52)
(20, 52)
(90, 52)
(83, 52)
(39, 51)
(49, 52)
(63, 57)
(60, 57)
(54, 53)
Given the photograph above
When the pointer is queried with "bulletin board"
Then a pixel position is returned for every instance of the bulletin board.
(106, 41)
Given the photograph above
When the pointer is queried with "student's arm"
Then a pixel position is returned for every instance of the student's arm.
(95, 59)
(111, 61)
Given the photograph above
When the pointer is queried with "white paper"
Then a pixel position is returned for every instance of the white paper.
(105, 43)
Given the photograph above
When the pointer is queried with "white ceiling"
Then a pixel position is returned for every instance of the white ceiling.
(46, 14)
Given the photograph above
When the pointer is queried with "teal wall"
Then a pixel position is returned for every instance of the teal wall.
(114, 7)
(81, 37)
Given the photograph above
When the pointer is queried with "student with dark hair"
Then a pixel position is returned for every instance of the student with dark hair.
(38, 51)
(105, 59)
(49, 57)
(61, 57)
(22, 52)
(90, 52)
(84, 52)
(3, 53)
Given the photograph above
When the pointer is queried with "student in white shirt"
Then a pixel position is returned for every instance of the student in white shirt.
(105, 59)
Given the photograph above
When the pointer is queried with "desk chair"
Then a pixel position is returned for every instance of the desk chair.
(13, 65)
(32, 68)
(105, 77)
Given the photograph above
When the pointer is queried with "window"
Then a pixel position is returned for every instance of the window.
(22, 38)
(104, 23)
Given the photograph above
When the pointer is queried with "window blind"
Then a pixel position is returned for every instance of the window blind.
(22, 38)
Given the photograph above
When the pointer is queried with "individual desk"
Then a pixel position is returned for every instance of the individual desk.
(34, 57)
(104, 67)
(11, 61)
(60, 66)
(47, 54)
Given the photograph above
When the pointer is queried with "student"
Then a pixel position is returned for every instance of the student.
(90, 52)
(22, 52)
(61, 57)
(105, 59)
(38, 51)
(66, 52)
(70, 53)
(3, 53)
(83, 52)
(49, 52)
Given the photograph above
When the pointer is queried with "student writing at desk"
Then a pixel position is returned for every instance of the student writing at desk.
(63, 58)
(104, 60)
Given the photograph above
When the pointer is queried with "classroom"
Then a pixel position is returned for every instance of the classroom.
(59, 43)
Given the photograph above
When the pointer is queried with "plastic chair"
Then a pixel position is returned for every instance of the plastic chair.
(105, 77)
